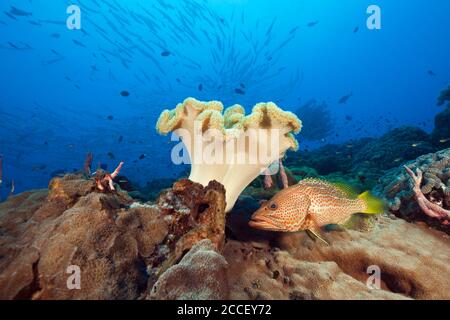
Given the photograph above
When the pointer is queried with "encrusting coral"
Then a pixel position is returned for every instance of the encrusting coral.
(231, 148)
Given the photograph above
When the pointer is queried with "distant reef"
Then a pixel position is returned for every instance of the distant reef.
(441, 133)
(362, 162)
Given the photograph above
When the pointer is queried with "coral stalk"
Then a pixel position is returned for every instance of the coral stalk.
(284, 178)
(268, 181)
(430, 209)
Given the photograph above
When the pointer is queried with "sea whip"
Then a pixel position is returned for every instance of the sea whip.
(88, 163)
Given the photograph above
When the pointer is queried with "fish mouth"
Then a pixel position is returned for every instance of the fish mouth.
(263, 223)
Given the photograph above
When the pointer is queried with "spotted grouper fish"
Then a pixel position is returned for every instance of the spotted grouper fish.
(312, 204)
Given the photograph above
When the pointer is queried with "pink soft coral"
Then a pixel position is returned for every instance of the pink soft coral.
(429, 208)
(104, 180)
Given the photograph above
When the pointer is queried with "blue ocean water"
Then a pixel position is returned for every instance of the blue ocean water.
(63, 92)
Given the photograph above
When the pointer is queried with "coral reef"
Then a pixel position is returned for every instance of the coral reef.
(404, 143)
(232, 141)
(185, 246)
(42, 236)
(317, 121)
(176, 249)
(281, 174)
(120, 247)
(359, 163)
(397, 188)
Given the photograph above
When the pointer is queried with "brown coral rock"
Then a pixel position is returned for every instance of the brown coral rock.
(195, 213)
(201, 275)
(69, 188)
(41, 236)
(114, 243)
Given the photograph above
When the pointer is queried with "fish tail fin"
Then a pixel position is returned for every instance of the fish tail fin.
(372, 204)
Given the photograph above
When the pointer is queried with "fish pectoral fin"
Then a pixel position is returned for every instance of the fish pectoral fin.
(312, 228)
(317, 235)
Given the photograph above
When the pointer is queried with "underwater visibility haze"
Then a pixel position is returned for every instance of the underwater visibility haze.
(91, 91)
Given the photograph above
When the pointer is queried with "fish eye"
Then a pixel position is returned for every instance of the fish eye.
(273, 206)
